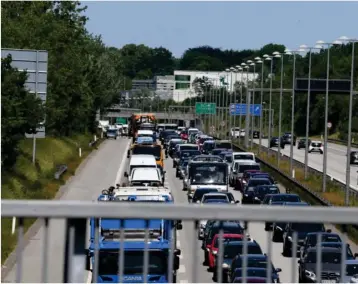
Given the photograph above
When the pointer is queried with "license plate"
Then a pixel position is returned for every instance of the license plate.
(328, 281)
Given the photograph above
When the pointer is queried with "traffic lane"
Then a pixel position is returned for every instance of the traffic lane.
(99, 172)
(255, 229)
(315, 160)
(187, 236)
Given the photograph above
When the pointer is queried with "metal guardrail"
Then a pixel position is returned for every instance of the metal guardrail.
(337, 141)
(77, 213)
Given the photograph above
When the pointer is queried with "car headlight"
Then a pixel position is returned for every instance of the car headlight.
(310, 274)
(225, 265)
(214, 252)
(256, 198)
(289, 238)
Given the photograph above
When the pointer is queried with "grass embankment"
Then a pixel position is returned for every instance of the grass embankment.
(334, 193)
(36, 181)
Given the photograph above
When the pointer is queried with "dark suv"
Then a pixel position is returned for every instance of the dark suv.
(277, 142)
(354, 157)
(303, 142)
(286, 139)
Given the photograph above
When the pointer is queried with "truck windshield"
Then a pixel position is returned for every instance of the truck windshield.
(133, 264)
(207, 173)
(155, 151)
(141, 166)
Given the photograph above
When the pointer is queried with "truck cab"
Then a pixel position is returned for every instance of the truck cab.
(146, 177)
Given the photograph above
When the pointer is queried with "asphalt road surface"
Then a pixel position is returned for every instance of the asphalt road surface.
(101, 171)
(106, 168)
(336, 161)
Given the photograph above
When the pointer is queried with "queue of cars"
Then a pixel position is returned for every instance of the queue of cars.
(207, 172)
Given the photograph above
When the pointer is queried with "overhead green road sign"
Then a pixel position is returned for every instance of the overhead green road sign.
(205, 108)
(121, 120)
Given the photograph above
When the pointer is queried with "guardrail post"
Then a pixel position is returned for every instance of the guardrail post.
(293, 173)
(13, 227)
(75, 256)
(80, 152)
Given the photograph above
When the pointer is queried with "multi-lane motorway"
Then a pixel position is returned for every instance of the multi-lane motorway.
(336, 157)
(104, 168)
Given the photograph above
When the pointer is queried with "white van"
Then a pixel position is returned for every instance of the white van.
(238, 168)
(140, 161)
(145, 177)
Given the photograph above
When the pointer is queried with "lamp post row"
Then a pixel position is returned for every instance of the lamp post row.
(250, 63)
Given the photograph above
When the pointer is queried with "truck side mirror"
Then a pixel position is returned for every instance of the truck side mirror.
(176, 263)
(179, 226)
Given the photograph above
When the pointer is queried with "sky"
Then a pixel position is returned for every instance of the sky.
(178, 26)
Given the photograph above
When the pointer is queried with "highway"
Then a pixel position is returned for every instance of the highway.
(106, 168)
(336, 161)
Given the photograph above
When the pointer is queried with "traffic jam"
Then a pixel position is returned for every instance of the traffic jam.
(210, 172)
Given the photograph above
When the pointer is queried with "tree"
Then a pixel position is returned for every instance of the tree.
(21, 111)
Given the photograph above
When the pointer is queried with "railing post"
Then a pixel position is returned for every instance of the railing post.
(75, 256)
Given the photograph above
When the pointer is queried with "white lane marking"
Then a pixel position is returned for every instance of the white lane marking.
(121, 166)
(118, 177)
(182, 268)
(181, 256)
(183, 281)
(178, 244)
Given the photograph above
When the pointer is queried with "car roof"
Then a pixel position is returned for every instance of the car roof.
(227, 224)
(209, 142)
(316, 141)
(216, 201)
(296, 204)
(215, 194)
(255, 179)
(323, 233)
(236, 243)
(205, 188)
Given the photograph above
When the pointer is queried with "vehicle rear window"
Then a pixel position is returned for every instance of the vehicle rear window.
(243, 157)
(243, 168)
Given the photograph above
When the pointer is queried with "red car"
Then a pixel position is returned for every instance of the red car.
(241, 182)
(214, 246)
(184, 135)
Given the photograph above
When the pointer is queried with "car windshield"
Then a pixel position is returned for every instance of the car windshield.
(307, 227)
(286, 198)
(262, 191)
(208, 146)
(243, 168)
(207, 173)
(243, 157)
(155, 151)
(216, 197)
(208, 159)
(327, 257)
(338, 245)
(316, 144)
(230, 251)
(227, 239)
(112, 131)
(189, 153)
(256, 182)
(228, 230)
(351, 269)
(200, 192)
(141, 166)
(224, 145)
(202, 140)
(133, 264)
(215, 201)
(188, 147)
(324, 239)
(174, 143)
(259, 262)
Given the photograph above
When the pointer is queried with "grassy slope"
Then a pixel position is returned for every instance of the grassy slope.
(29, 181)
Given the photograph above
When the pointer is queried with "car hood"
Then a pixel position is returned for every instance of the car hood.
(326, 267)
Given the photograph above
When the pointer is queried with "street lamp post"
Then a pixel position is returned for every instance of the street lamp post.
(349, 143)
(253, 103)
(235, 100)
(270, 58)
(303, 48)
(247, 116)
(241, 94)
(259, 61)
(324, 183)
(232, 70)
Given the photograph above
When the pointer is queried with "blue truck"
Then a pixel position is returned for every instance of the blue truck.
(160, 233)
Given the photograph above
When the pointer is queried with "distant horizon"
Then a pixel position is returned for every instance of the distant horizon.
(178, 26)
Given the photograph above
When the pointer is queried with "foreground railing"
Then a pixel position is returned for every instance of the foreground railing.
(77, 214)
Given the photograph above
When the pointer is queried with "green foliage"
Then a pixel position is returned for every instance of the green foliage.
(21, 111)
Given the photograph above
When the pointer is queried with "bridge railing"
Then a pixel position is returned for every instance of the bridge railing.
(78, 212)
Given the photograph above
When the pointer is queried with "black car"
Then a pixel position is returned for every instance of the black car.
(255, 134)
(181, 168)
(276, 142)
(262, 190)
(274, 198)
(171, 146)
(311, 240)
(169, 137)
(279, 227)
(302, 229)
(208, 147)
(286, 139)
(249, 193)
(330, 265)
(165, 133)
(198, 194)
(354, 157)
(303, 142)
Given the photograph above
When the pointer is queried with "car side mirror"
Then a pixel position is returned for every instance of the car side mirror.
(278, 269)
(179, 226)
(125, 174)
(329, 231)
(299, 261)
(177, 252)
(237, 201)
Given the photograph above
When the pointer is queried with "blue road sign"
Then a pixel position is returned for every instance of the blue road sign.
(237, 109)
